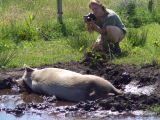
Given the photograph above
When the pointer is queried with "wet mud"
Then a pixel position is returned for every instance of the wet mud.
(141, 86)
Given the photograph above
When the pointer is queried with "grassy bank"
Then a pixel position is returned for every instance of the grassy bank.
(143, 47)
(31, 35)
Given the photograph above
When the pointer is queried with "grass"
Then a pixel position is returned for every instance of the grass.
(147, 54)
(41, 53)
(155, 109)
(30, 28)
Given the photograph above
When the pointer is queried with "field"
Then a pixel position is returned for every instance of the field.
(30, 33)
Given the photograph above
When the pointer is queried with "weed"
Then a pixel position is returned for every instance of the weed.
(136, 14)
(155, 108)
(94, 59)
(156, 43)
(131, 8)
(80, 40)
(7, 53)
(136, 38)
(51, 31)
(6, 57)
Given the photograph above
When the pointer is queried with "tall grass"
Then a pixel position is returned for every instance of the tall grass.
(7, 53)
(6, 57)
(135, 13)
(137, 37)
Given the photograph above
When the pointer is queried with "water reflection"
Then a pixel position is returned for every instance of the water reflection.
(136, 118)
(29, 116)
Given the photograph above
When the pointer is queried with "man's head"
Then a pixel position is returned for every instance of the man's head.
(97, 7)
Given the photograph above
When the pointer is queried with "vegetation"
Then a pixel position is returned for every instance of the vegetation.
(155, 108)
(30, 33)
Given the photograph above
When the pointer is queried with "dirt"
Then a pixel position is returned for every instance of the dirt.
(122, 76)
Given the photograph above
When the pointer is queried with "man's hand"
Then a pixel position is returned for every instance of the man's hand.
(93, 27)
(90, 26)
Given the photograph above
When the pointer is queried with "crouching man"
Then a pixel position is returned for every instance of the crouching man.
(109, 25)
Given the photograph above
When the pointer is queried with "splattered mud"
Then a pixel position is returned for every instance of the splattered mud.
(141, 86)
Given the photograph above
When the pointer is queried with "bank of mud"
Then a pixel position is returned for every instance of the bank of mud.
(141, 86)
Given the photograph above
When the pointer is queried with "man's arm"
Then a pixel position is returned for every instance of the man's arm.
(96, 28)
(90, 27)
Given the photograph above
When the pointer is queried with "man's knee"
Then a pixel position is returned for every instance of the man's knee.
(109, 27)
(114, 33)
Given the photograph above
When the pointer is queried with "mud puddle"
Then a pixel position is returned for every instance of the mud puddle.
(135, 89)
(141, 85)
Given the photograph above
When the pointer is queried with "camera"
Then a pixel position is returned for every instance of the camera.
(90, 17)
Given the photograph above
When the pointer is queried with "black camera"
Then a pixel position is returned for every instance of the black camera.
(90, 17)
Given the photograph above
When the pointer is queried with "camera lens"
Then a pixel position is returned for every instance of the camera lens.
(89, 19)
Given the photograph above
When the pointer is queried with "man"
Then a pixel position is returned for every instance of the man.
(109, 25)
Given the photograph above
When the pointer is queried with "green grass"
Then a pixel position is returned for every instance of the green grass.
(139, 55)
(30, 28)
(155, 108)
(147, 54)
(40, 53)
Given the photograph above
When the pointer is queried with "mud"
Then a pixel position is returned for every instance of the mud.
(141, 86)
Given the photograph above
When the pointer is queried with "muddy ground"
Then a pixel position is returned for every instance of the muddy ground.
(141, 86)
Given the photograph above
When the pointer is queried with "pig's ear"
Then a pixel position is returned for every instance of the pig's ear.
(29, 69)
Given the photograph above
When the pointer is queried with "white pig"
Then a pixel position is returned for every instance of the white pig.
(67, 85)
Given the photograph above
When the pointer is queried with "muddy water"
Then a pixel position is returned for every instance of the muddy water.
(15, 105)
(29, 116)
(133, 88)
(9, 99)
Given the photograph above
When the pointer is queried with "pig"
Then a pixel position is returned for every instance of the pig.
(67, 85)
